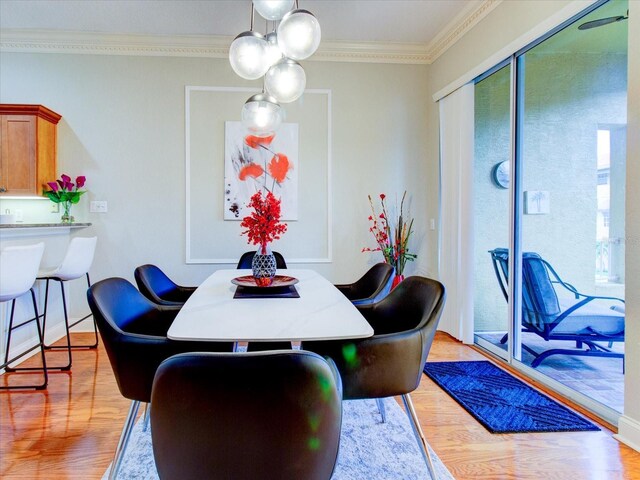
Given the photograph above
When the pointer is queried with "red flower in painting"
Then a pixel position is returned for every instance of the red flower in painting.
(252, 170)
(255, 142)
(278, 167)
(263, 225)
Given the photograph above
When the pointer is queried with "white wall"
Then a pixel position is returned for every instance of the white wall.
(123, 127)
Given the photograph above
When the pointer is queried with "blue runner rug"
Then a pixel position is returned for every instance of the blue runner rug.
(501, 402)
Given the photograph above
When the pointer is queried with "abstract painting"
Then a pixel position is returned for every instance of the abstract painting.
(267, 164)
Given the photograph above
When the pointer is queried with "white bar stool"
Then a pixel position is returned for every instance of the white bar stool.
(18, 269)
(76, 264)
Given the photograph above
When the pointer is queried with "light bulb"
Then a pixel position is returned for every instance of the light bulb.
(248, 55)
(272, 9)
(261, 114)
(274, 54)
(299, 34)
(285, 81)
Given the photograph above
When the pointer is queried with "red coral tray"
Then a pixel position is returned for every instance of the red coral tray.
(279, 281)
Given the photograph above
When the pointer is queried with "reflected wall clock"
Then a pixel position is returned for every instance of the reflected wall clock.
(500, 174)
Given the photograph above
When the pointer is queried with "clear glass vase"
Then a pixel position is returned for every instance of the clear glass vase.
(66, 215)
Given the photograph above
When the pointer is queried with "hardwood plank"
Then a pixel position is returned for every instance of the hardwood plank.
(70, 431)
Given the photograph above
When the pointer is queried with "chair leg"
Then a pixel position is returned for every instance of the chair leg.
(71, 325)
(417, 431)
(124, 439)
(381, 409)
(147, 415)
(40, 344)
(66, 347)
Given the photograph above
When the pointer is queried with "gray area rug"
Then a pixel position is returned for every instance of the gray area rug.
(369, 449)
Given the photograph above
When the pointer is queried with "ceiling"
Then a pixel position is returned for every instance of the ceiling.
(397, 21)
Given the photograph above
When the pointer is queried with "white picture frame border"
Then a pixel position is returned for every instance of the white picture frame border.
(328, 258)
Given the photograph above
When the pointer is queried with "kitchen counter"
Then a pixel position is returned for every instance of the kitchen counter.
(16, 230)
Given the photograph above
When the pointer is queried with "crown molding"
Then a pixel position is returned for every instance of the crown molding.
(211, 46)
(458, 27)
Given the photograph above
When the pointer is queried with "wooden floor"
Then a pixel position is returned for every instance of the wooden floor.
(71, 430)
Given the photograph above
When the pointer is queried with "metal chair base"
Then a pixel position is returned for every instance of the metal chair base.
(124, 439)
(417, 431)
(382, 409)
(40, 345)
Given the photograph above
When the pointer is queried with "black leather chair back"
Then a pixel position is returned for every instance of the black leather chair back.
(389, 363)
(157, 287)
(371, 287)
(274, 415)
(134, 331)
(247, 258)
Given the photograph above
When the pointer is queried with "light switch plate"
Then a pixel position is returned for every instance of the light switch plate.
(98, 206)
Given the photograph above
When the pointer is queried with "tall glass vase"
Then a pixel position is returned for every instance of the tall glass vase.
(263, 266)
(66, 215)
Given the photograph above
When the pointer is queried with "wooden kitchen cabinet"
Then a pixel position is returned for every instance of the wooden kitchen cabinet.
(28, 148)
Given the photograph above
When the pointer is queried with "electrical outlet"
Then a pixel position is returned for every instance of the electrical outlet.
(432, 224)
(55, 207)
(18, 213)
(98, 206)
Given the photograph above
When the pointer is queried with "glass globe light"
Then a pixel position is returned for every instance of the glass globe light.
(285, 81)
(274, 54)
(248, 55)
(299, 34)
(261, 114)
(272, 9)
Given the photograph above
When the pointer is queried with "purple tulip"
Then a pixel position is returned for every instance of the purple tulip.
(53, 186)
(80, 181)
(68, 186)
(61, 183)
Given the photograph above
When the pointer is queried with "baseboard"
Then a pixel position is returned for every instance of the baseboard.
(54, 334)
(629, 432)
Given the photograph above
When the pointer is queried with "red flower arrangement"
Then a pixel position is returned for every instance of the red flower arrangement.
(263, 225)
(392, 240)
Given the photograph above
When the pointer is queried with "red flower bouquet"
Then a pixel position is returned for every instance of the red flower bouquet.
(393, 239)
(263, 225)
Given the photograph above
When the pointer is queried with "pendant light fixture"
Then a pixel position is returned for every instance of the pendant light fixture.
(299, 34)
(273, 9)
(285, 81)
(261, 115)
(248, 55)
(274, 57)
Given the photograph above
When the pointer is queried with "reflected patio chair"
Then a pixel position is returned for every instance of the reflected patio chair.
(574, 316)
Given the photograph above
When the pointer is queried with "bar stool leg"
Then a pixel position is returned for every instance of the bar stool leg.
(66, 319)
(39, 344)
(66, 325)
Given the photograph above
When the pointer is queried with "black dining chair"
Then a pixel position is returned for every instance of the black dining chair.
(134, 332)
(390, 362)
(247, 258)
(268, 415)
(372, 287)
(154, 284)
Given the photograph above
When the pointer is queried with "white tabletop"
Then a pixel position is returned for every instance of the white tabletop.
(321, 312)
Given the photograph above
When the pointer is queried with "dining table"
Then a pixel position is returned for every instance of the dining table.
(315, 310)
